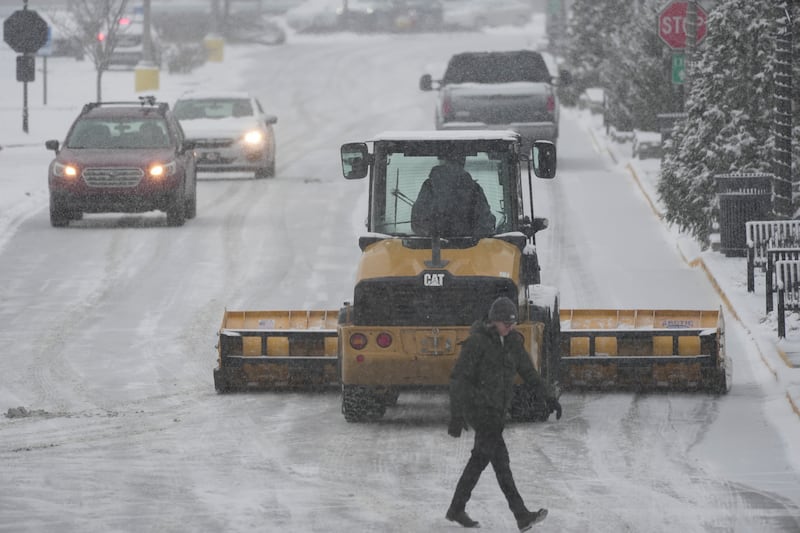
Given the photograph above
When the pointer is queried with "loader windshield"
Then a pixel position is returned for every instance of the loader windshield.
(405, 170)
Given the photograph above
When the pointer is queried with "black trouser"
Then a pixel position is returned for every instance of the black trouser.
(489, 448)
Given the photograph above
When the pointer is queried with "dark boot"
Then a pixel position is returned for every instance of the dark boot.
(461, 517)
(526, 521)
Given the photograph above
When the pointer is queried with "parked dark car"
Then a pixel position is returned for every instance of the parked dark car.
(392, 15)
(128, 157)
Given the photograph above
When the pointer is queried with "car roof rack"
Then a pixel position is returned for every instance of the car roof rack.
(144, 101)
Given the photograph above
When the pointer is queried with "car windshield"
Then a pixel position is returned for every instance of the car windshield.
(119, 133)
(214, 108)
(501, 67)
(401, 169)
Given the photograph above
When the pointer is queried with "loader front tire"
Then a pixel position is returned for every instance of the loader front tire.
(360, 404)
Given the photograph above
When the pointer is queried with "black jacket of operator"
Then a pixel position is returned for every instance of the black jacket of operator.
(451, 204)
(481, 383)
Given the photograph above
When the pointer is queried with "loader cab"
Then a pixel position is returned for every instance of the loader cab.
(398, 167)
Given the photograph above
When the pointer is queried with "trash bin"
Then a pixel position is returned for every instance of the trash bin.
(742, 197)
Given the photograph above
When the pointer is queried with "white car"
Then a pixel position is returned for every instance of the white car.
(128, 47)
(230, 130)
(647, 144)
(314, 16)
(592, 99)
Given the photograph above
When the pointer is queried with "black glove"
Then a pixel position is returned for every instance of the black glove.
(455, 427)
(553, 405)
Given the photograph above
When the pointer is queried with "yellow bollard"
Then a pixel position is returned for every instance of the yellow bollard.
(146, 77)
(214, 48)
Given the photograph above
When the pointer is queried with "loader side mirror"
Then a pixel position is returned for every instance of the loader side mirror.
(530, 229)
(426, 83)
(355, 161)
(543, 155)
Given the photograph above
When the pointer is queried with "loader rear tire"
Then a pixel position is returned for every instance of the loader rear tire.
(360, 404)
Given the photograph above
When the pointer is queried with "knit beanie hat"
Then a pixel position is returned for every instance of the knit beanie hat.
(503, 310)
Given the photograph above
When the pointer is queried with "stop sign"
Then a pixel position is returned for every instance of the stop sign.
(672, 24)
(25, 31)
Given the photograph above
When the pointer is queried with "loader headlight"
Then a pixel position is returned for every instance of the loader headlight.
(253, 137)
(162, 170)
(358, 341)
(65, 171)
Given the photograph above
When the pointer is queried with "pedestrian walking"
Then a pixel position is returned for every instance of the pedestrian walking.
(481, 388)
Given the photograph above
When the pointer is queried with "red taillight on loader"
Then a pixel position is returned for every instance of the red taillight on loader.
(384, 340)
(358, 341)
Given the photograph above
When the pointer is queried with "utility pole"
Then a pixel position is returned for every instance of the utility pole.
(689, 51)
(147, 44)
(214, 41)
(783, 11)
(146, 72)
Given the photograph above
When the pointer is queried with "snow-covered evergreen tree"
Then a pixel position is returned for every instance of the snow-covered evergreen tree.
(730, 113)
(636, 73)
(618, 49)
(591, 24)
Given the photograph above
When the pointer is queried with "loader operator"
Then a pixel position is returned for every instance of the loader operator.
(450, 203)
(481, 387)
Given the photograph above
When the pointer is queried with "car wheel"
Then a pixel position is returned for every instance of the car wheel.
(176, 212)
(267, 171)
(59, 214)
(191, 204)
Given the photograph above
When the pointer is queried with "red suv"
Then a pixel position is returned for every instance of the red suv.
(127, 157)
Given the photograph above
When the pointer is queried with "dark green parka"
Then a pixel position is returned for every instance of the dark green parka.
(481, 384)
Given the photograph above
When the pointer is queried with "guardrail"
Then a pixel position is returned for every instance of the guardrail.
(774, 255)
(763, 234)
(787, 272)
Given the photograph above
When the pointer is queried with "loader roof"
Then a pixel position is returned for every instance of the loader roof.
(447, 135)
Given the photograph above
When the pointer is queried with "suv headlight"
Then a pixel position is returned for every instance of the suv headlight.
(65, 171)
(162, 170)
(253, 137)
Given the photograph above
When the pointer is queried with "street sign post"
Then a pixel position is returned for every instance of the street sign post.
(25, 31)
(672, 24)
(678, 68)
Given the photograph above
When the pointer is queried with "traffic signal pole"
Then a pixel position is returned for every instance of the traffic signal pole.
(25, 90)
(25, 107)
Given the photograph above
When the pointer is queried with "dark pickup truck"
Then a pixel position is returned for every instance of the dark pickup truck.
(498, 90)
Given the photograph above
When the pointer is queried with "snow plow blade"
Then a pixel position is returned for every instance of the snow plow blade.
(276, 350)
(643, 350)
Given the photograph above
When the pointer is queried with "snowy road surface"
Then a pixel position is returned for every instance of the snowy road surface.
(108, 330)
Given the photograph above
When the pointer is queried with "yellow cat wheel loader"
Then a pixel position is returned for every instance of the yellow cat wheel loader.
(422, 281)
